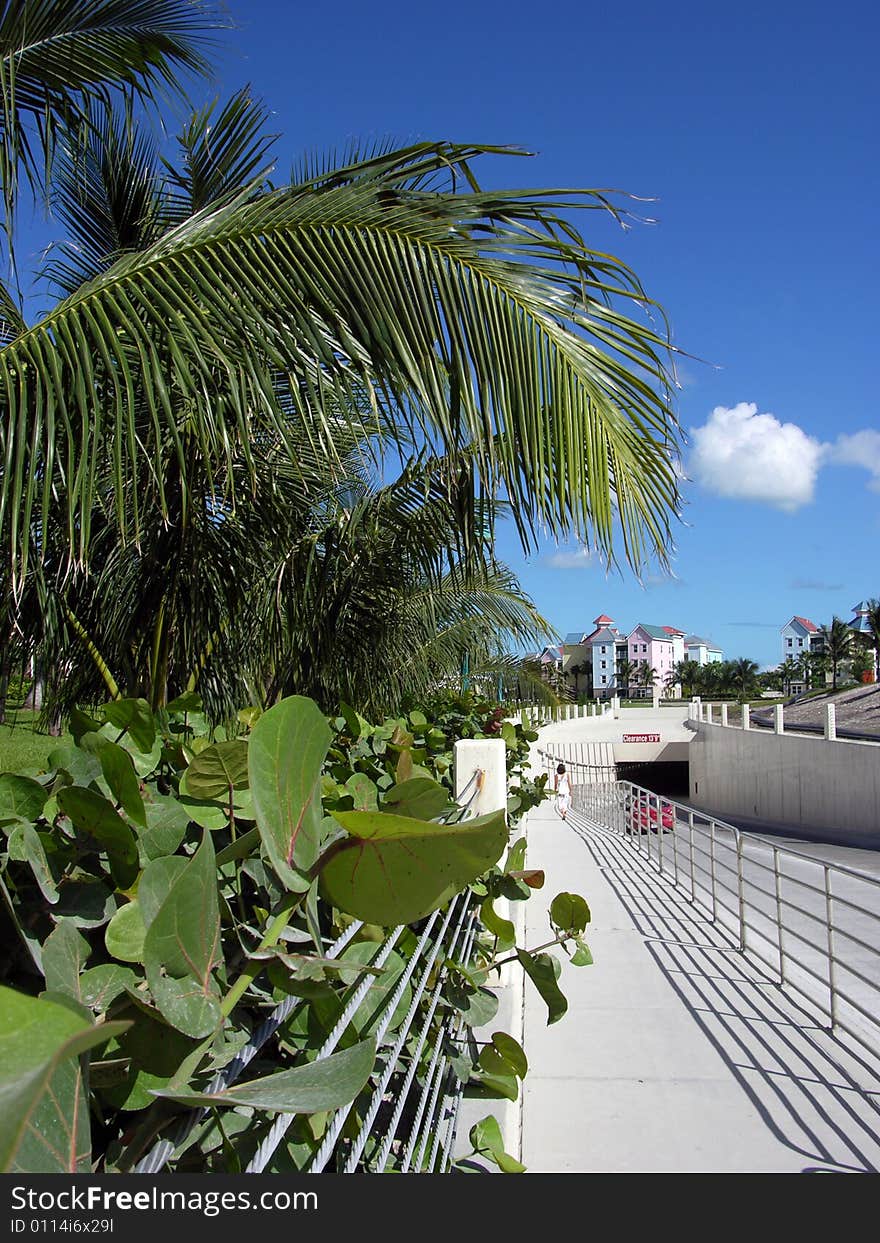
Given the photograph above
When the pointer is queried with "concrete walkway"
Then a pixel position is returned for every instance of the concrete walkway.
(676, 1054)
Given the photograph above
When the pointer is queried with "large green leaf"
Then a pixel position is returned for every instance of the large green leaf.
(369, 1012)
(329, 1084)
(215, 771)
(420, 798)
(26, 844)
(502, 929)
(20, 798)
(569, 912)
(486, 1139)
(182, 947)
(82, 767)
(125, 933)
(156, 882)
(133, 716)
(167, 822)
(44, 1117)
(286, 752)
(118, 769)
(543, 971)
(65, 952)
(393, 870)
(93, 814)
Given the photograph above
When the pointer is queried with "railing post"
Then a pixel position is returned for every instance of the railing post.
(691, 849)
(829, 917)
(778, 719)
(746, 716)
(740, 885)
(658, 807)
(480, 774)
(712, 870)
(724, 714)
(778, 881)
(831, 722)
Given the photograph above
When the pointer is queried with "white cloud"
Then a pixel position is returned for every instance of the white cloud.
(859, 449)
(579, 559)
(748, 456)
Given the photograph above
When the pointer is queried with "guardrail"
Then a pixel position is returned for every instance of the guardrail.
(814, 924)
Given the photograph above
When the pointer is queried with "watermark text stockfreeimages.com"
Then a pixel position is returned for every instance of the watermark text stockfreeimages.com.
(97, 1199)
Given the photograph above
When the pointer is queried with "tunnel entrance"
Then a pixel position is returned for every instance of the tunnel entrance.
(669, 777)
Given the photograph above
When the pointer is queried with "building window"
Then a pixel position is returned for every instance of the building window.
(790, 644)
(603, 664)
(800, 643)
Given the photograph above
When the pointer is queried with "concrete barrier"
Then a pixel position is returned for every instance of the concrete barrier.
(814, 787)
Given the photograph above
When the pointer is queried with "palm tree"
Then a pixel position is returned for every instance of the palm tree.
(804, 665)
(708, 679)
(625, 673)
(645, 675)
(874, 622)
(745, 674)
(56, 58)
(389, 291)
(687, 672)
(837, 642)
(788, 671)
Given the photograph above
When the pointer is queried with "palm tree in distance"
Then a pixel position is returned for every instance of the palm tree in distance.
(645, 675)
(837, 640)
(744, 674)
(625, 673)
(804, 664)
(788, 671)
(687, 673)
(874, 622)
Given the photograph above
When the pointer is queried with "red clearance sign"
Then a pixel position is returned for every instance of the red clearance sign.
(641, 737)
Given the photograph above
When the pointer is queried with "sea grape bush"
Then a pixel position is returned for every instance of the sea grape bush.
(165, 884)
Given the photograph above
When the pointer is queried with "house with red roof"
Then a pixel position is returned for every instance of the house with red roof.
(799, 635)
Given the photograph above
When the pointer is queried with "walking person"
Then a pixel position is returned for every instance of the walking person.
(562, 786)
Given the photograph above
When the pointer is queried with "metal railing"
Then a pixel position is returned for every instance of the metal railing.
(814, 924)
(408, 1119)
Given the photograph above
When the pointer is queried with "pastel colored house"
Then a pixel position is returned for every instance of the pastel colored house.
(798, 636)
(702, 651)
(863, 630)
(605, 643)
(655, 645)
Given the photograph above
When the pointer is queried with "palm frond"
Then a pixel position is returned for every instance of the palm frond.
(106, 189)
(481, 320)
(55, 54)
(220, 153)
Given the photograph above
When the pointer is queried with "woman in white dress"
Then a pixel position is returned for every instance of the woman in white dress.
(562, 786)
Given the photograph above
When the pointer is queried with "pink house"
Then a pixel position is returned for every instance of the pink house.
(656, 646)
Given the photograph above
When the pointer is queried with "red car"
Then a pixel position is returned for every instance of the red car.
(644, 816)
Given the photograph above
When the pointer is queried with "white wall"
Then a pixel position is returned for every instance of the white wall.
(806, 784)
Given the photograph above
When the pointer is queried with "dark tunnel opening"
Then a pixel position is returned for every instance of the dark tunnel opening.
(669, 777)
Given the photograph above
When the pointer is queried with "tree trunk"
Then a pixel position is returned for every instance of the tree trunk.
(35, 694)
(5, 669)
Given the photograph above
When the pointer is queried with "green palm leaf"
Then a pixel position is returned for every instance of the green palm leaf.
(483, 320)
(55, 54)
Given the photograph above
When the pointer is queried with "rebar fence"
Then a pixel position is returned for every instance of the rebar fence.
(405, 1121)
(815, 925)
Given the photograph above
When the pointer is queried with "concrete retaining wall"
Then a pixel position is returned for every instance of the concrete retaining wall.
(809, 785)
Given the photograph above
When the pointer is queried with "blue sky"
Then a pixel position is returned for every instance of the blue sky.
(754, 128)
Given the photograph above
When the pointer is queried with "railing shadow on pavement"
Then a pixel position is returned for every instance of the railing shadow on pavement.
(815, 1091)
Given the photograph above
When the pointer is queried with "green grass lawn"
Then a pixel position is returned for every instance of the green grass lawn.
(22, 747)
